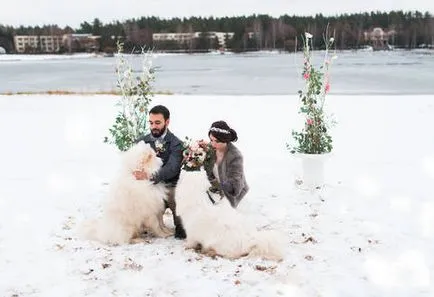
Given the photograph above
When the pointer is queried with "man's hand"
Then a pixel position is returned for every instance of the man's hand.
(140, 175)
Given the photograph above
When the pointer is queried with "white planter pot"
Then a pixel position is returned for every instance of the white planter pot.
(312, 173)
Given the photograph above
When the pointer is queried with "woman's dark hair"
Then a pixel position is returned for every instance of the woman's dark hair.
(222, 132)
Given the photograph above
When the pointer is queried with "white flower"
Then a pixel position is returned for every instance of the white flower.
(308, 35)
(127, 73)
(194, 147)
(159, 146)
(201, 158)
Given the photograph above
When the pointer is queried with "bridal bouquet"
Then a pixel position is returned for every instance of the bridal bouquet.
(195, 154)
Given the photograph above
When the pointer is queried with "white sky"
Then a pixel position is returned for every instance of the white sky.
(19, 12)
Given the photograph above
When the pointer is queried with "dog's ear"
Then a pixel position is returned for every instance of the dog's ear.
(147, 158)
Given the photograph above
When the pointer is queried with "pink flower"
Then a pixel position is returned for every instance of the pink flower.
(327, 88)
(309, 121)
(194, 146)
(306, 75)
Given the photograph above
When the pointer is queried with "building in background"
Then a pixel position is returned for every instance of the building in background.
(81, 42)
(189, 37)
(379, 38)
(34, 43)
(56, 43)
(222, 37)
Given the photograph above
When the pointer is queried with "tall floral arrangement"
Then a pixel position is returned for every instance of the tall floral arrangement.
(135, 97)
(314, 138)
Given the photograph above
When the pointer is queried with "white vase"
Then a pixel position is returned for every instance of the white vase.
(312, 170)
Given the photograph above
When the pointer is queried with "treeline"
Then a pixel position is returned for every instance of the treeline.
(256, 32)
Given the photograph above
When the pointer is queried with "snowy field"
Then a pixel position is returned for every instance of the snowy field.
(368, 232)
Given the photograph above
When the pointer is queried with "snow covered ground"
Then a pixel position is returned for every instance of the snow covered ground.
(368, 232)
(12, 57)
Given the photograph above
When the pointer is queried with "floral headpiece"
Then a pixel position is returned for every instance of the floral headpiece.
(219, 130)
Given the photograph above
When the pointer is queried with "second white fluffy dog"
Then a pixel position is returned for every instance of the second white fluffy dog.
(220, 229)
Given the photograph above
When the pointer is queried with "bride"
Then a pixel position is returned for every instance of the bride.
(206, 200)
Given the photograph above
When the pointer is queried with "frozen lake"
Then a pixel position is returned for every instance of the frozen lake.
(353, 73)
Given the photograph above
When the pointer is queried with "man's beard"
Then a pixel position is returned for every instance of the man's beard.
(158, 132)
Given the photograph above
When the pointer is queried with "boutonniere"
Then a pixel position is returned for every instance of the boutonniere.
(159, 147)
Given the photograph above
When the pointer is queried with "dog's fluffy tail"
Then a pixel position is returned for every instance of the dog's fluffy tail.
(268, 245)
(103, 231)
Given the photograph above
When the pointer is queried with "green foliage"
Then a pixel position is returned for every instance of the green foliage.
(314, 138)
(136, 96)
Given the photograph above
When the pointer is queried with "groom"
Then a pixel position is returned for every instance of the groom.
(169, 148)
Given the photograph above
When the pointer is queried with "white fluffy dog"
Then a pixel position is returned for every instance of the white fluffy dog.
(132, 205)
(220, 229)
